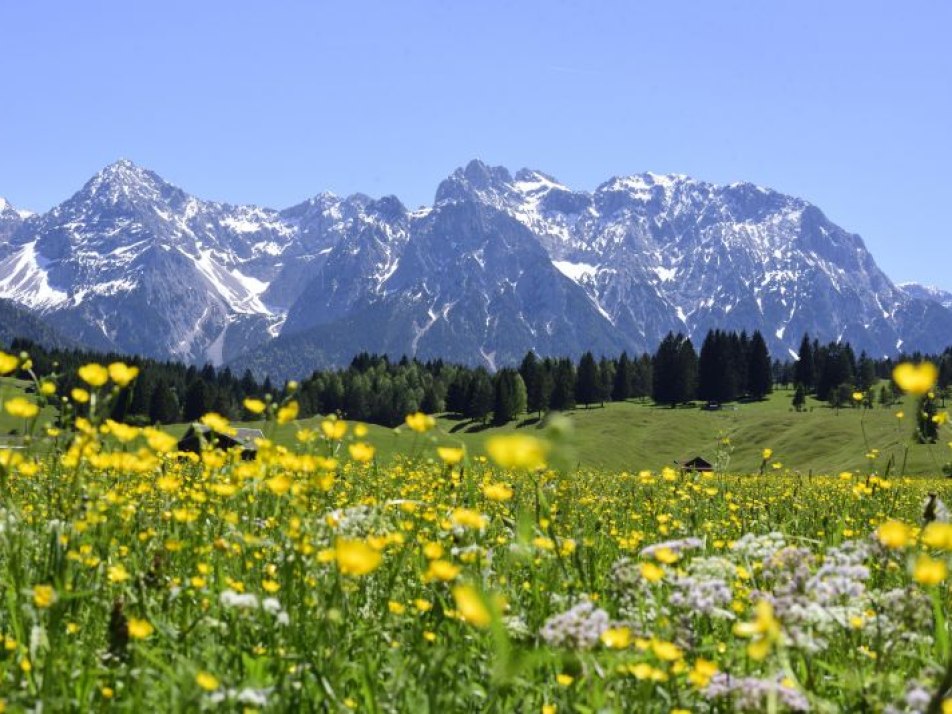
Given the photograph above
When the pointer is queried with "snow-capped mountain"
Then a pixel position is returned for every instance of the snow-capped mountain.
(927, 292)
(10, 219)
(498, 265)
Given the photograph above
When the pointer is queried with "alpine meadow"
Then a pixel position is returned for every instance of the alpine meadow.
(487, 438)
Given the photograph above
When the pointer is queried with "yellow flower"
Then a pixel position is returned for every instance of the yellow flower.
(766, 454)
(564, 680)
(288, 413)
(471, 606)
(549, 709)
(666, 556)
(160, 441)
(420, 422)
(21, 408)
(396, 608)
(361, 452)
(122, 374)
(915, 379)
(938, 535)
(117, 574)
(497, 491)
(255, 406)
(651, 572)
(441, 570)
(207, 681)
(702, 672)
(334, 429)
(763, 631)
(47, 388)
(8, 363)
(93, 374)
(43, 596)
(450, 455)
(79, 395)
(279, 485)
(894, 534)
(616, 638)
(667, 651)
(858, 396)
(929, 571)
(468, 518)
(270, 586)
(355, 557)
(218, 424)
(140, 629)
(517, 451)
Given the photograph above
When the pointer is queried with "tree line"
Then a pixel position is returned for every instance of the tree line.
(376, 389)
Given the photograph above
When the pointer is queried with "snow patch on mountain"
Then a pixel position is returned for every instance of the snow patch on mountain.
(575, 271)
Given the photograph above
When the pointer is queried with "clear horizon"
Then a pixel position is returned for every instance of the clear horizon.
(846, 106)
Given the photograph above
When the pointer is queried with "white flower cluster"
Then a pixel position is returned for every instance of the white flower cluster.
(577, 628)
(249, 601)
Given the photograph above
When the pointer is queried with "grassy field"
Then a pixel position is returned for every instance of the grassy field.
(634, 435)
(135, 577)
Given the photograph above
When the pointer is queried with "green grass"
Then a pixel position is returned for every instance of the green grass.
(631, 436)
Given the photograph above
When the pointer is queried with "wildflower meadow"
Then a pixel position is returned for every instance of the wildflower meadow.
(314, 577)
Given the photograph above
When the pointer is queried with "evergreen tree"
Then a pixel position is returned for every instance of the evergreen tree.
(197, 402)
(759, 371)
(587, 383)
(606, 378)
(457, 393)
(836, 369)
(504, 406)
(865, 372)
(520, 395)
(716, 373)
(621, 385)
(675, 368)
(642, 381)
(480, 396)
(799, 397)
(563, 386)
(927, 429)
(537, 381)
(163, 405)
(803, 372)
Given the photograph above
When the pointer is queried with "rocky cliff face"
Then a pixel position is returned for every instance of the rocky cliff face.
(500, 264)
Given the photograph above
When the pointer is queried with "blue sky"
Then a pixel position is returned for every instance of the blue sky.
(847, 104)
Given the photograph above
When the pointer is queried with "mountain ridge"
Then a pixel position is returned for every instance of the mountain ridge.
(500, 263)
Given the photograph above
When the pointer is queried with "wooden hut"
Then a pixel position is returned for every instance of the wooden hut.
(697, 464)
(199, 435)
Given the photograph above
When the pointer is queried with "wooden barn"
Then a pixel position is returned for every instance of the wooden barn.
(697, 464)
(199, 435)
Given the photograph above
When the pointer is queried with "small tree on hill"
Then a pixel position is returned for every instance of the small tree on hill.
(799, 398)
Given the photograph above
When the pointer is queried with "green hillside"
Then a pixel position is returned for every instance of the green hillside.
(634, 436)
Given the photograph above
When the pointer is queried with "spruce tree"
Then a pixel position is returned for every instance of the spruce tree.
(759, 372)
(196, 400)
(480, 396)
(504, 403)
(163, 406)
(803, 372)
(563, 386)
(586, 385)
(621, 385)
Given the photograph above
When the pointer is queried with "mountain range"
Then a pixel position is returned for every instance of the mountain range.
(500, 263)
